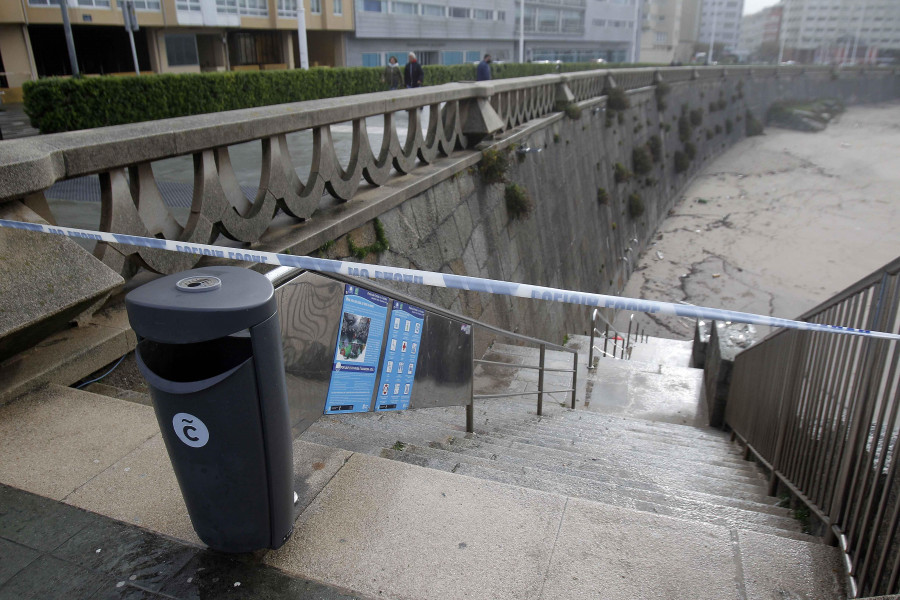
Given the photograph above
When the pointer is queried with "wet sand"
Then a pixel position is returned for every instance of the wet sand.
(780, 222)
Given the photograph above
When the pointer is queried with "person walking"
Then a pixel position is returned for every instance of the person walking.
(393, 76)
(483, 71)
(413, 72)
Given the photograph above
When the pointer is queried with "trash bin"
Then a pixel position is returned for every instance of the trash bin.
(209, 345)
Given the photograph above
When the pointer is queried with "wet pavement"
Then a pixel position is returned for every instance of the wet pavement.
(51, 550)
(14, 123)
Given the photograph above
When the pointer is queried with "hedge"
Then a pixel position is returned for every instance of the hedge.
(65, 104)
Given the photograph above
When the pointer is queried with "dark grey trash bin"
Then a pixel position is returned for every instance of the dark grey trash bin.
(209, 344)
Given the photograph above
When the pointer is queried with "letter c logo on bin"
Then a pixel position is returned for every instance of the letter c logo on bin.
(190, 430)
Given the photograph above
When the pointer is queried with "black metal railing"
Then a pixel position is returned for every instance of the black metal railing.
(822, 412)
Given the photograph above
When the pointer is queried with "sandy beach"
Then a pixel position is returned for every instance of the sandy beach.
(779, 222)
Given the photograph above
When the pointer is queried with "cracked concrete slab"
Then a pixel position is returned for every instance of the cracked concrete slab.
(778, 223)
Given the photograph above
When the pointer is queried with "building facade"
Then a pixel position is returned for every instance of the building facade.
(175, 36)
(459, 31)
(759, 40)
(669, 30)
(841, 31)
(720, 22)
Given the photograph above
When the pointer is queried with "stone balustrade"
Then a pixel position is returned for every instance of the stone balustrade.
(459, 116)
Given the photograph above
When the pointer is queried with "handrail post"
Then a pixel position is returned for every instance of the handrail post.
(606, 340)
(470, 407)
(591, 347)
(628, 337)
(574, 378)
(789, 388)
(540, 406)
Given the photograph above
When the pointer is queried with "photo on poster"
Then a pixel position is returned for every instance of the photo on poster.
(403, 347)
(354, 337)
(393, 344)
(390, 366)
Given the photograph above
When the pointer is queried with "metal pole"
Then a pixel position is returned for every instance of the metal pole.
(606, 341)
(301, 35)
(627, 342)
(574, 377)
(137, 69)
(540, 406)
(636, 40)
(591, 347)
(781, 34)
(70, 41)
(859, 31)
(712, 37)
(470, 407)
(522, 32)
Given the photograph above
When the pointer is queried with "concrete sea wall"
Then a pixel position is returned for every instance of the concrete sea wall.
(582, 233)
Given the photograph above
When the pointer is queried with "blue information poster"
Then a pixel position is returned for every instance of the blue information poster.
(399, 368)
(357, 353)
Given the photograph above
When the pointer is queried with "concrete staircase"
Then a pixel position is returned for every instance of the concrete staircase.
(635, 441)
(627, 496)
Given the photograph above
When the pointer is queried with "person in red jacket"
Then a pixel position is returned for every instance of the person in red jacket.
(413, 73)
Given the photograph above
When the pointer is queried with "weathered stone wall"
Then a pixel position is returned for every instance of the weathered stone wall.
(572, 239)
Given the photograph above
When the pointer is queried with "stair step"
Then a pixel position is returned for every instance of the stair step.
(715, 514)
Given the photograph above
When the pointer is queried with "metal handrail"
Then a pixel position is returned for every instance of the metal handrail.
(822, 413)
(627, 347)
(282, 274)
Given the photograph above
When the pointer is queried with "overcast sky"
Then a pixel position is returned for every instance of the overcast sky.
(752, 6)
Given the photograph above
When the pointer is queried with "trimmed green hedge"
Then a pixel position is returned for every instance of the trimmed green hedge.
(66, 104)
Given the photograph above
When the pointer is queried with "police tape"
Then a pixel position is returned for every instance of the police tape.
(446, 280)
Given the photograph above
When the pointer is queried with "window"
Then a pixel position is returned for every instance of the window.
(227, 7)
(452, 58)
(338, 8)
(188, 5)
(41, 2)
(599, 22)
(548, 20)
(253, 8)
(433, 10)
(146, 5)
(501, 15)
(373, 6)
(459, 13)
(371, 59)
(572, 21)
(93, 3)
(481, 14)
(315, 7)
(662, 37)
(181, 50)
(403, 8)
(287, 8)
(473, 56)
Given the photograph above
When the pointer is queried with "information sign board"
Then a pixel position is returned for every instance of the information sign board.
(357, 351)
(399, 368)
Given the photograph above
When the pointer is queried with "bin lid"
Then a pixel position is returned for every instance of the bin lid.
(200, 304)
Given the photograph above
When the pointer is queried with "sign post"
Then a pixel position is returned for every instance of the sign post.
(131, 25)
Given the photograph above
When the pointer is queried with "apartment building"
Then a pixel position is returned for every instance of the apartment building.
(175, 36)
(669, 30)
(841, 31)
(760, 34)
(720, 21)
(456, 31)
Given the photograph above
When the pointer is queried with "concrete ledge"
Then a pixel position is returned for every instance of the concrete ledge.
(67, 356)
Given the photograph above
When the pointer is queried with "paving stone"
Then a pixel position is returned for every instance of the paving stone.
(13, 558)
(126, 553)
(39, 523)
(49, 578)
(88, 433)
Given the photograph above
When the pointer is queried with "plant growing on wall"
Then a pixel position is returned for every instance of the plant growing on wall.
(617, 99)
(654, 144)
(518, 202)
(752, 124)
(602, 196)
(621, 174)
(681, 162)
(377, 247)
(662, 90)
(690, 150)
(697, 117)
(641, 161)
(685, 129)
(635, 205)
(729, 126)
(573, 111)
(493, 165)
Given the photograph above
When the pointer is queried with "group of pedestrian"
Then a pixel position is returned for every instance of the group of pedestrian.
(413, 76)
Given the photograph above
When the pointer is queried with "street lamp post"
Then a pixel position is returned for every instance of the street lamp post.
(70, 41)
(712, 36)
(522, 32)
